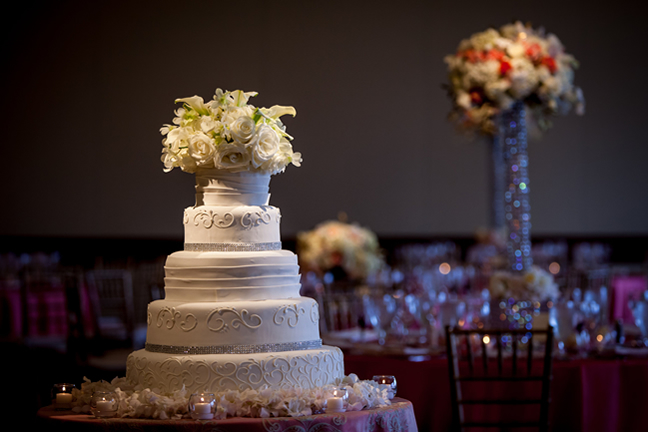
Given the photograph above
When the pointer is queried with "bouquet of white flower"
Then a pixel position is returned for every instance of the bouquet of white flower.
(493, 69)
(333, 244)
(228, 134)
(535, 284)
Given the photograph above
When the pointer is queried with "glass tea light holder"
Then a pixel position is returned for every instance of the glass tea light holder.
(389, 381)
(338, 401)
(62, 396)
(103, 404)
(202, 406)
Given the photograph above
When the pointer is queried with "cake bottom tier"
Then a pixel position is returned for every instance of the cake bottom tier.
(217, 372)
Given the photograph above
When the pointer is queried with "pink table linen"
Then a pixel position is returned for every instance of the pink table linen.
(399, 417)
(588, 395)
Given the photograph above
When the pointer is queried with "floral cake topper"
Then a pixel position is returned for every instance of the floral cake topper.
(227, 133)
(493, 69)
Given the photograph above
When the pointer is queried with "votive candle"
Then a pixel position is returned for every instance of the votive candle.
(335, 404)
(63, 398)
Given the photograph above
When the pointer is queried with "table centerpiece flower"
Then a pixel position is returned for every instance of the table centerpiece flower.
(348, 251)
(501, 81)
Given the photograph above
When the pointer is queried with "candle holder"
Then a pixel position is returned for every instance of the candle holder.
(62, 396)
(103, 404)
(338, 402)
(202, 406)
(389, 381)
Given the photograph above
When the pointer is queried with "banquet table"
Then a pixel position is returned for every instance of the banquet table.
(587, 394)
(398, 417)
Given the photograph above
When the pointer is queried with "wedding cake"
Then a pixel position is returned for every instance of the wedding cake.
(232, 317)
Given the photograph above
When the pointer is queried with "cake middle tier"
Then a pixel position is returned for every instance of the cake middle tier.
(186, 326)
(247, 225)
(231, 276)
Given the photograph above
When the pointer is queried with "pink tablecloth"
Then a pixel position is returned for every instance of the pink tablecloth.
(587, 395)
(397, 417)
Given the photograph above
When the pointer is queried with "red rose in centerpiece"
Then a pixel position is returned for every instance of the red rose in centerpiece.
(550, 63)
(534, 51)
(505, 67)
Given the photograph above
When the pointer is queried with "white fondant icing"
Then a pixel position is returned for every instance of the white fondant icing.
(217, 372)
(236, 322)
(233, 299)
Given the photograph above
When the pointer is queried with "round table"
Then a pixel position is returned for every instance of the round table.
(587, 395)
(397, 417)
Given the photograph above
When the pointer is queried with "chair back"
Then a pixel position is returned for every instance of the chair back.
(111, 297)
(502, 363)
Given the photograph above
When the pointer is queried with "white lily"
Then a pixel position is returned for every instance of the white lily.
(240, 98)
(197, 103)
(277, 111)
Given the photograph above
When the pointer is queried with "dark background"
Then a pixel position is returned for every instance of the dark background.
(87, 85)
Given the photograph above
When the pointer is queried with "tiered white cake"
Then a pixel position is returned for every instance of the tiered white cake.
(232, 317)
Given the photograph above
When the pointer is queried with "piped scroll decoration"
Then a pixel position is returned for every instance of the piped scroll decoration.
(288, 314)
(210, 218)
(168, 316)
(253, 219)
(314, 313)
(242, 318)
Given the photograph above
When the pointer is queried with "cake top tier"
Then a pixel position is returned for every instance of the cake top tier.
(228, 134)
(221, 188)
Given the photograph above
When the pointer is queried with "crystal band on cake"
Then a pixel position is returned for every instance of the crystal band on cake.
(232, 247)
(235, 349)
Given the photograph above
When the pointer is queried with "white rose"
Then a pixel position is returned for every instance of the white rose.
(282, 158)
(176, 136)
(524, 78)
(208, 123)
(479, 74)
(242, 129)
(264, 145)
(231, 156)
(463, 99)
(187, 163)
(201, 148)
(515, 50)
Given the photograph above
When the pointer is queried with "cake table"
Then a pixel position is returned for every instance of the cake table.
(397, 417)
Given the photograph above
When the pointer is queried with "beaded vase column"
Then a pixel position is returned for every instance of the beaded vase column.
(497, 170)
(517, 211)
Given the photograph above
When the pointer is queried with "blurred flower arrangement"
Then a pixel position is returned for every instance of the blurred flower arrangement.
(339, 245)
(228, 134)
(493, 69)
(138, 402)
(535, 284)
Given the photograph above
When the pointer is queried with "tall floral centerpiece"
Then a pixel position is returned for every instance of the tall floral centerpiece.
(504, 82)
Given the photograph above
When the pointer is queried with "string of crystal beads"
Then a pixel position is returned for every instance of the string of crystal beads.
(232, 247)
(512, 130)
(235, 349)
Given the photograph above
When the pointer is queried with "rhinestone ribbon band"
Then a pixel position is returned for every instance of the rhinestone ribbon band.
(235, 349)
(232, 247)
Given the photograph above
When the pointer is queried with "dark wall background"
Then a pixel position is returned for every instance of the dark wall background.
(87, 85)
